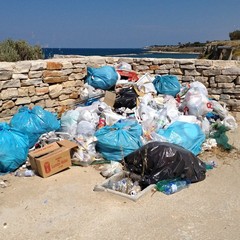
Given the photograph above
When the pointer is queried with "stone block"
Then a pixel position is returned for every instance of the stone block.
(7, 66)
(231, 71)
(225, 85)
(211, 72)
(74, 95)
(19, 76)
(63, 97)
(55, 90)
(32, 82)
(22, 67)
(51, 103)
(187, 66)
(176, 71)
(22, 101)
(237, 81)
(53, 73)
(8, 105)
(67, 65)
(154, 67)
(67, 102)
(54, 66)
(23, 92)
(191, 73)
(35, 74)
(68, 84)
(5, 75)
(6, 94)
(10, 84)
(41, 90)
(225, 96)
(55, 79)
(224, 79)
(76, 76)
(38, 65)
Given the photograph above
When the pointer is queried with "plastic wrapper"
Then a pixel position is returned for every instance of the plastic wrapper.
(157, 161)
(13, 148)
(116, 141)
(34, 122)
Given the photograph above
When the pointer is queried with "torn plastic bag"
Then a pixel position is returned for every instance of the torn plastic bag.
(187, 135)
(157, 161)
(34, 122)
(104, 77)
(13, 148)
(120, 139)
(127, 98)
(167, 84)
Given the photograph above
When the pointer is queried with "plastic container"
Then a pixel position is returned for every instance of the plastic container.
(118, 182)
(171, 186)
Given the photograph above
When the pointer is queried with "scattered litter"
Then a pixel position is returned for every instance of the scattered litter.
(4, 183)
(141, 130)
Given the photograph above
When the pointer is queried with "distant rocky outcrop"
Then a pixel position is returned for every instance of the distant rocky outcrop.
(222, 50)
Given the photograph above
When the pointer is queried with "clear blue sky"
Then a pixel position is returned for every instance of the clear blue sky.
(117, 24)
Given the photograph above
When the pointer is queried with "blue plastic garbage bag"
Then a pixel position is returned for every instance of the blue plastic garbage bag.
(103, 78)
(34, 122)
(13, 148)
(188, 135)
(167, 84)
(116, 141)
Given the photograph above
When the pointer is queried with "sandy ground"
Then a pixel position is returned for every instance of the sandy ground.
(65, 206)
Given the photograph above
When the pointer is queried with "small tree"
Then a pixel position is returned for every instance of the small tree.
(235, 35)
(12, 51)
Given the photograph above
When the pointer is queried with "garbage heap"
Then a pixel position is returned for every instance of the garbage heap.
(153, 127)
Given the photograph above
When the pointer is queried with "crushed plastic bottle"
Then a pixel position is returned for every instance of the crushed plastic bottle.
(171, 186)
(24, 173)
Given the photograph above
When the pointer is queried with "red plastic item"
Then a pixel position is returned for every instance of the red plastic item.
(129, 75)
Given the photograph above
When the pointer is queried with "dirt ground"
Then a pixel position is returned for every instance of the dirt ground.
(64, 206)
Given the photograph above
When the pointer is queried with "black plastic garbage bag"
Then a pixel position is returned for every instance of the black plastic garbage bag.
(127, 98)
(158, 161)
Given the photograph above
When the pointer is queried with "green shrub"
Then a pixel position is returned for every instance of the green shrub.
(12, 51)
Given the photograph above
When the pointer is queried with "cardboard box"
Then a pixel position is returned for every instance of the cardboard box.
(110, 98)
(52, 158)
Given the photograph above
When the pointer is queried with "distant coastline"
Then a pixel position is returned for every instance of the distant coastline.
(117, 52)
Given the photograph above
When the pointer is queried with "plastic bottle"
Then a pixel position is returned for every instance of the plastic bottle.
(171, 186)
(25, 173)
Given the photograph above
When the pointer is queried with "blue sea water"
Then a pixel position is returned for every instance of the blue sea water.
(115, 52)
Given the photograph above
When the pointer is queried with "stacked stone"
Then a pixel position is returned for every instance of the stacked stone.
(55, 83)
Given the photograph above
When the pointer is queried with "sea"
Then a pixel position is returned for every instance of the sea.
(115, 52)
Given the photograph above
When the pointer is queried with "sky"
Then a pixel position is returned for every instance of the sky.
(117, 24)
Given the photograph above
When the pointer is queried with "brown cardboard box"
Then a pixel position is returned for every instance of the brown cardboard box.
(52, 158)
(110, 98)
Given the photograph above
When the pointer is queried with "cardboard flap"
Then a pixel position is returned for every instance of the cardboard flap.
(109, 98)
(67, 144)
(44, 150)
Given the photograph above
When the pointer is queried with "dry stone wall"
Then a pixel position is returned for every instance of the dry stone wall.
(55, 83)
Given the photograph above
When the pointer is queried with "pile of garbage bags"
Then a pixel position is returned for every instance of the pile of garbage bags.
(155, 127)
